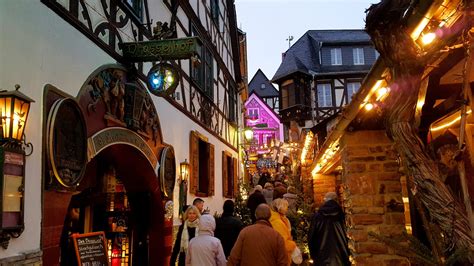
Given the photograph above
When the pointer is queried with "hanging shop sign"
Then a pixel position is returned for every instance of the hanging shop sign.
(90, 249)
(66, 143)
(168, 49)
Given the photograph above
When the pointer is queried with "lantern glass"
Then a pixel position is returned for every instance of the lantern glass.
(184, 170)
(248, 134)
(14, 112)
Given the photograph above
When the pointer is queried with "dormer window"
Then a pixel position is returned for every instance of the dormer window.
(253, 114)
(262, 86)
(336, 57)
(358, 55)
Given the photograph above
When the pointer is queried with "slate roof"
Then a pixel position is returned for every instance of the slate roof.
(255, 85)
(303, 55)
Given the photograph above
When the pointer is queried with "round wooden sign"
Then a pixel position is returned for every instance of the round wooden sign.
(67, 142)
(167, 172)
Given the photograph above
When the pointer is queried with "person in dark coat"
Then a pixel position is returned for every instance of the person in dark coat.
(279, 190)
(187, 231)
(264, 178)
(228, 227)
(327, 236)
(254, 200)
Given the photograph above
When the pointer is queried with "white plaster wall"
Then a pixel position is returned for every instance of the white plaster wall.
(176, 127)
(37, 47)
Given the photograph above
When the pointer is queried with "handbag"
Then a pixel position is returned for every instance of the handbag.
(296, 256)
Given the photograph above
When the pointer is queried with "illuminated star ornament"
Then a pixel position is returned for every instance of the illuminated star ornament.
(162, 79)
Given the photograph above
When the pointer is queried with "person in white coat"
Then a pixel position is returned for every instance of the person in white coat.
(205, 249)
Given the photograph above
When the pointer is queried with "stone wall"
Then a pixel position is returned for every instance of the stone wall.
(32, 258)
(323, 184)
(373, 193)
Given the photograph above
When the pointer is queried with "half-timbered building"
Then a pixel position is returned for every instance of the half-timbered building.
(320, 72)
(262, 86)
(107, 152)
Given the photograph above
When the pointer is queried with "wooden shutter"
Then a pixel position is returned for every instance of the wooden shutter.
(211, 170)
(225, 175)
(236, 178)
(194, 162)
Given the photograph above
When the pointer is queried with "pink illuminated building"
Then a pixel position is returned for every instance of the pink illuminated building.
(264, 122)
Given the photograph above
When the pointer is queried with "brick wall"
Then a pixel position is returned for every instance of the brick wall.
(323, 184)
(32, 258)
(373, 193)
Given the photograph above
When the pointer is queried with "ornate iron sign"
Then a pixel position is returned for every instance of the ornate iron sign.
(158, 50)
(67, 146)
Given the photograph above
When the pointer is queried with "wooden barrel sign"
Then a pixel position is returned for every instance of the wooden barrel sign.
(90, 249)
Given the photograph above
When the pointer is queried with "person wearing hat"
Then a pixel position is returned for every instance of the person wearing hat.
(327, 238)
(205, 249)
(254, 200)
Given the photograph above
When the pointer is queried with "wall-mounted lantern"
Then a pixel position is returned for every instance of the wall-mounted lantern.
(248, 134)
(184, 171)
(14, 108)
(183, 185)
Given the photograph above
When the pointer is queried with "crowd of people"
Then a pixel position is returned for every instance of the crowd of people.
(204, 240)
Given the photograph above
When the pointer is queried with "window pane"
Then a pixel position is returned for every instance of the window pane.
(352, 88)
(358, 56)
(324, 95)
(336, 57)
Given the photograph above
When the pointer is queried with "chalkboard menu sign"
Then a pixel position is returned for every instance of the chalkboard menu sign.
(90, 249)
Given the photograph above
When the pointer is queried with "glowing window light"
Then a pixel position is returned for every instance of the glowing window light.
(381, 93)
(428, 38)
(450, 123)
(368, 106)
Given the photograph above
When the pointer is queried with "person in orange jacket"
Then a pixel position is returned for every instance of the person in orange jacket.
(282, 225)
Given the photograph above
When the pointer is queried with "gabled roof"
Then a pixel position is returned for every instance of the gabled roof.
(255, 96)
(303, 55)
(255, 85)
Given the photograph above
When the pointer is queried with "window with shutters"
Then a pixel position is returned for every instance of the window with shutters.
(136, 6)
(215, 11)
(201, 166)
(229, 175)
(203, 73)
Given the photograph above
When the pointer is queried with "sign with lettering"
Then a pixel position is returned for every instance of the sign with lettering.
(66, 142)
(158, 50)
(90, 249)
(118, 135)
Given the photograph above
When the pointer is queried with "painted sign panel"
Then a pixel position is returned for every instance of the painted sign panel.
(90, 249)
(114, 135)
(158, 50)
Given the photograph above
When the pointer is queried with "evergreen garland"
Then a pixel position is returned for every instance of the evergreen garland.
(240, 204)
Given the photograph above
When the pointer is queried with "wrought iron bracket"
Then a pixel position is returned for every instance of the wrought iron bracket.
(6, 236)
